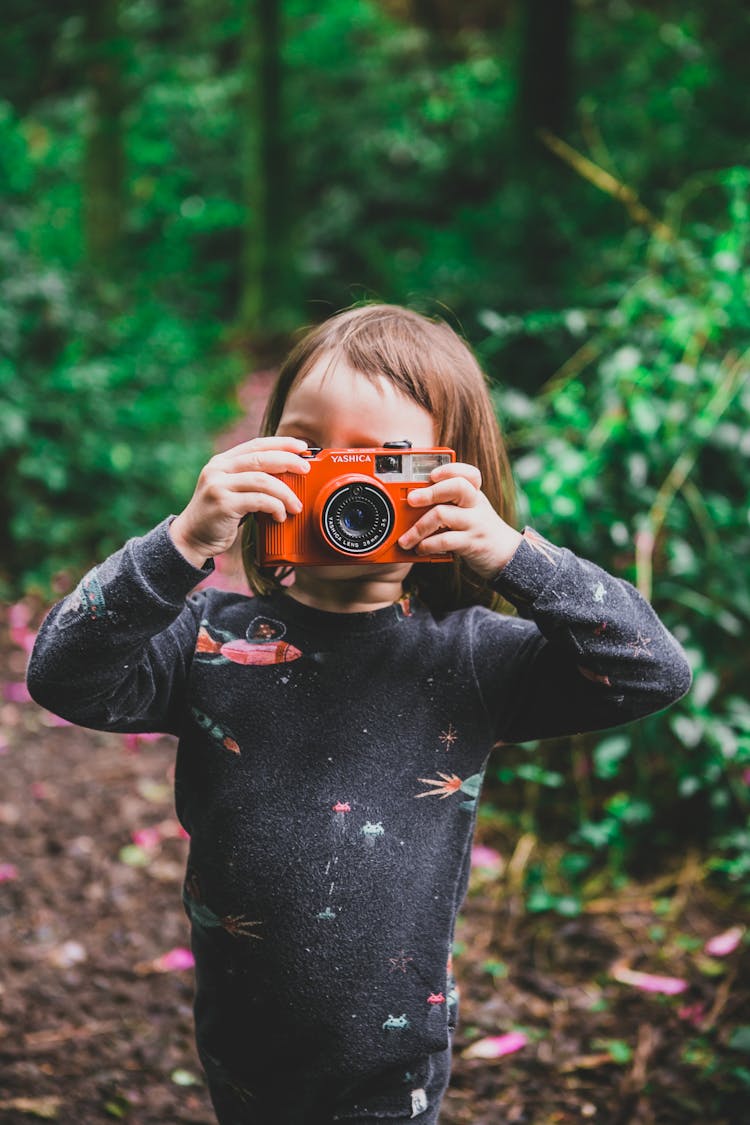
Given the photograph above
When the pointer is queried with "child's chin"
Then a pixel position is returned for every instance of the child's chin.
(362, 572)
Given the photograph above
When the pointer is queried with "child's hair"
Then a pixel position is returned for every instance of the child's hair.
(427, 361)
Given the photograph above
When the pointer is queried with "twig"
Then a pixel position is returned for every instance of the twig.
(52, 1037)
(634, 1081)
(645, 540)
(720, 1000)
(513, 880)
(518, 861)
(609, 184)
(572, 367)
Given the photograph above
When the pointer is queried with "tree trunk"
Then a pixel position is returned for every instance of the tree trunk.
(543, 102)
(104, 161)
(544, 73)
(267, 269)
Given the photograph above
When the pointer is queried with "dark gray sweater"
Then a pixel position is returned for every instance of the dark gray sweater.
(328, 772)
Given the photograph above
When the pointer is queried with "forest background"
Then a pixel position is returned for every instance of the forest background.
(184, 184)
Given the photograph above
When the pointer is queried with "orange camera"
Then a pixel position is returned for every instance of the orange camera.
(354, 507)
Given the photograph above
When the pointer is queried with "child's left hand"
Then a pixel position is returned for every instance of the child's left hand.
(462, 520)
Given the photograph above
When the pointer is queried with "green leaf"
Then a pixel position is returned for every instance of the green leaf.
(134, 856)
(619, 1050)
(739, 1040)
(609, 755)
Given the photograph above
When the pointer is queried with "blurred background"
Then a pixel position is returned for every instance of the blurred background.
(185, 184)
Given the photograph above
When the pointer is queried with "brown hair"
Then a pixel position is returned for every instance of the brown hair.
(427, 361)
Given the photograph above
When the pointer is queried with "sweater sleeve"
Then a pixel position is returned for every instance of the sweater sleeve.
(588, 652)
(115, 654)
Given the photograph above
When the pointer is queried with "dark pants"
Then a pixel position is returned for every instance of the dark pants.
(297, 1102)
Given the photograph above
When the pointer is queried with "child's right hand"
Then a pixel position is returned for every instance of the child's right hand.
(241, 480)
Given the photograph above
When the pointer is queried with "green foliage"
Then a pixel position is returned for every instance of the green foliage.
(108, 408)
(407, 180)
(636, 454)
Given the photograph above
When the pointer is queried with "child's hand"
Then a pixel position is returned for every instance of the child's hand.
(241, 480)
(462, 520)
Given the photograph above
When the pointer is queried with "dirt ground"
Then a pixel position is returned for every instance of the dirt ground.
(94, 1028)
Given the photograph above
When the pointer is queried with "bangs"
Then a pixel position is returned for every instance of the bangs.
(422, 358)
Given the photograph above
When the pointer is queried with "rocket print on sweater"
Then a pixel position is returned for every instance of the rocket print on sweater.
(262, 644)
(202, 915)
(446, 784)
(87, 600)
(219, 734)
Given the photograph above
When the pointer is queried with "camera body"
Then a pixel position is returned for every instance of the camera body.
(354, 507)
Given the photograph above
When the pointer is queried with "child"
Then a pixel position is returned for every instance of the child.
(334, 732)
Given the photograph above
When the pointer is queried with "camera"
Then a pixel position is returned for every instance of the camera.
(354, 507)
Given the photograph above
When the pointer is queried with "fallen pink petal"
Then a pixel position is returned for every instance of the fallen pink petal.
(649, 982)
(693, 1013)
(8, 872)
(482, 856)
(133, 741)
(147, 838)
(17, 692)
(723, 944)
(19, 616)
(174, 961)
(495, 1046)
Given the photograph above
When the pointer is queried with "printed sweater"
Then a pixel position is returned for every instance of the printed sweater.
(329, 766)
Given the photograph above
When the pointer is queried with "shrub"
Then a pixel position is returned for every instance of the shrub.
(636, 454)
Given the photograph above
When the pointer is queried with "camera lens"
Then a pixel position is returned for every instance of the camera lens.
(357, 518)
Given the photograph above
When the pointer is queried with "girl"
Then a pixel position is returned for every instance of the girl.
(334, 732)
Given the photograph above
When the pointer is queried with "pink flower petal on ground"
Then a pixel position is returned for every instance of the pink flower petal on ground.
(723, 944)
(8, 872)
(132, 741)
(693, 1013)
(24, 639)
(17, 692)
(649, 982)
(147, 838)
(482, 856)
(177, 959)
(19, 616)
(495, 1046)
